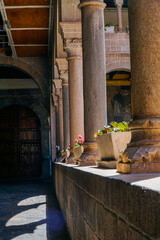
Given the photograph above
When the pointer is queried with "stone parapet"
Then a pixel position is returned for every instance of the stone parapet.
(117, 51)
(102, 204)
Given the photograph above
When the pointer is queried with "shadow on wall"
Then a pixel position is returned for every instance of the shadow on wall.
(30, 211)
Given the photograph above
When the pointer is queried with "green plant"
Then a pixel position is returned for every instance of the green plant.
(108, 24)
(113, 127)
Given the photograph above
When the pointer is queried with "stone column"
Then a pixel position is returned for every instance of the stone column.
(94, 70)
(66, 123)
(63, 74)
(119, 4)
(58, 92)
(144, 148)
(76, 109)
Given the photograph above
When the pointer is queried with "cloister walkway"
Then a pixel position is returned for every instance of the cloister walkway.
(30, 211)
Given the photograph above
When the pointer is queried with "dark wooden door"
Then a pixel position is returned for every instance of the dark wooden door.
(20, 143)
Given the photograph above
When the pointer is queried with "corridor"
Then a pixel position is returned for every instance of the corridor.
(30, 211)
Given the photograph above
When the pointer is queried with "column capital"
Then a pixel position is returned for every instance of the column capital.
(62, 65)
(118, 3)
(56, 91)
(73, 47)
(64, 77)
(84, 3)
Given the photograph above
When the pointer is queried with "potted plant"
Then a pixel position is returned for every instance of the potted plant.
(110, 28)
(78, 149)
(65, 154)
(112, 140)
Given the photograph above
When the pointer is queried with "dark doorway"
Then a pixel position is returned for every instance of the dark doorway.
(20, 143)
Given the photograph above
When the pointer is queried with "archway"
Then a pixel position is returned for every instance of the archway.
(20, 143)
(119, 104)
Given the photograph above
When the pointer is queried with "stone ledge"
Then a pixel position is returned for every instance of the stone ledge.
(129, 199)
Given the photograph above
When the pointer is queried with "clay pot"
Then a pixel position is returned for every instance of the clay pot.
(78, 152)
(110, 146)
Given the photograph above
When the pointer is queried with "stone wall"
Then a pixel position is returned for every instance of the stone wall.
(117, 49)
(101, 204)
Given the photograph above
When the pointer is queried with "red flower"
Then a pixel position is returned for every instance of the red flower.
(76, 141)
(80, 137)
(82, 141)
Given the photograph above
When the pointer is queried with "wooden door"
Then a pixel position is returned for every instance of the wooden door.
(20, 143)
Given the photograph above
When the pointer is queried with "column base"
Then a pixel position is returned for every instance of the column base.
(71, 158)
(142, 154)
(106, 164)
(135, 168)
(90, 154)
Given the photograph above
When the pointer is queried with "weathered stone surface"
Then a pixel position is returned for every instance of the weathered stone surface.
(106, 205)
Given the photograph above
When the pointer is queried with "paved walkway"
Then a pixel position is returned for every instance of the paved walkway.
(29, 211)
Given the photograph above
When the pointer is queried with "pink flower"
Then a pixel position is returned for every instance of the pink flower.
(80, 137)
(76, 141)
(69, 146)
(82, 141)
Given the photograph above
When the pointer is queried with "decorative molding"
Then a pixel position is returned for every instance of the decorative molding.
(62, 66)
(73, 47)
(71, 30)
(118, 3)
(92, 3)
(57, 91)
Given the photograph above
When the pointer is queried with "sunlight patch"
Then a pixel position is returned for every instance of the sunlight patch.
(32, 200)
(38, 234)
(28, 217)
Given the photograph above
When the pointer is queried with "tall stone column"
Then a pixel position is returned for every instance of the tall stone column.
(76, 107)
(63, 74)
(58, 92)
(94, 70)
(144, 149)
(72, 35)
(119, 4)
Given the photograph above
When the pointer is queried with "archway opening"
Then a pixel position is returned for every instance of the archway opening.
(20, 143)
(119, 104)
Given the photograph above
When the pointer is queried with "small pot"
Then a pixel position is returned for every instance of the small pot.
(78, 152)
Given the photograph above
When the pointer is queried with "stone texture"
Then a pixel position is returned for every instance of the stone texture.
(145, 54)
(105, 205)
(93, 67)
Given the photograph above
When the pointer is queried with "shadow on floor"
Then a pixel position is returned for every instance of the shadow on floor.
(29, 210)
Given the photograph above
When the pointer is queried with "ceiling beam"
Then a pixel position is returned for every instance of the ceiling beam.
(6, 27)
(30, 45)
(22, 29)
(29, 6)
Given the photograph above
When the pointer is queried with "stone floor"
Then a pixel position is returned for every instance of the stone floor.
(29, 211)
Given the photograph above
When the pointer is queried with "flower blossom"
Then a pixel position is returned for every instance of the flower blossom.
(76, 141)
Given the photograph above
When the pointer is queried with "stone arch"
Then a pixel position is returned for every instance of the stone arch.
(25, 67)
(118, 65)
(38, 108)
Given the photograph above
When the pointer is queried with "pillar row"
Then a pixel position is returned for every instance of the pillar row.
(58, 97)
(62, 65)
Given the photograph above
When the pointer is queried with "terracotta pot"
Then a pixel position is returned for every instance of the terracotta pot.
(110, 146)
(78, 152)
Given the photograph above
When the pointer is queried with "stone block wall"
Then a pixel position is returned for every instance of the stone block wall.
(117, 51)
(100, 204)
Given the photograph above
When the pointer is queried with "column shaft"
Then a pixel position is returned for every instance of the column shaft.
(119, 18)
(66, 123)
(75, 98)
(94, 78)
